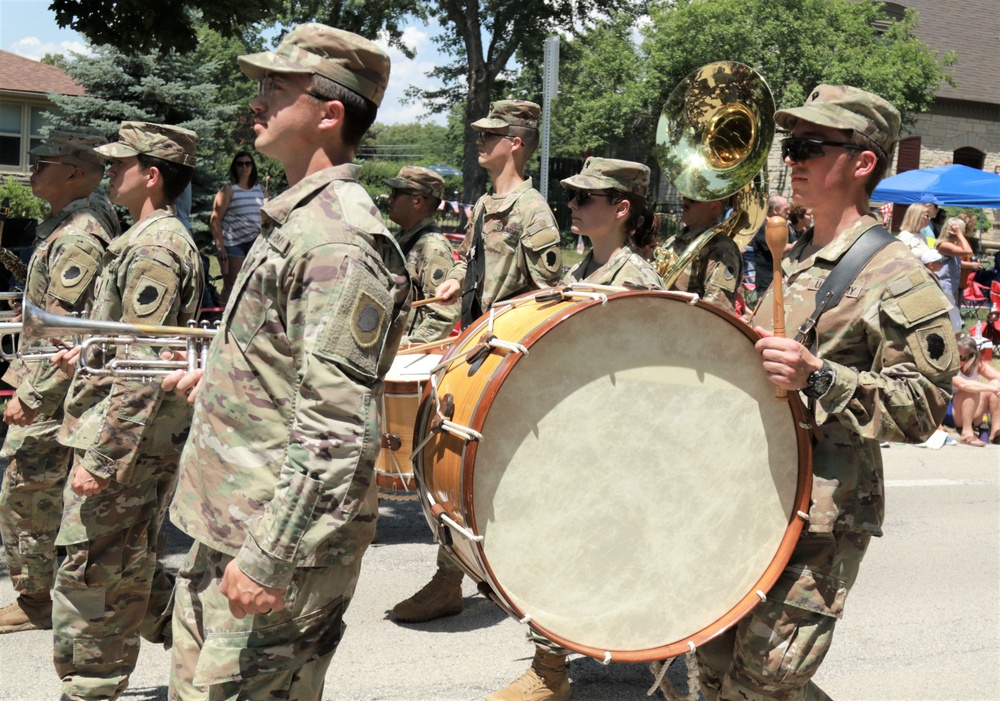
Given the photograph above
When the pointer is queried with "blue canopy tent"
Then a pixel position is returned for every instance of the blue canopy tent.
(953, 186)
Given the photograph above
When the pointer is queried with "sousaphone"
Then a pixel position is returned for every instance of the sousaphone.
(712, 141)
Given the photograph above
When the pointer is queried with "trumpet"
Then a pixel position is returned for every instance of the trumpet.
(97, 337)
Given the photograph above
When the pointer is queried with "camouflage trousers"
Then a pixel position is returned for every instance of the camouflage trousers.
(31, 503)
(103, 586)
(280, 655)
(773, 652)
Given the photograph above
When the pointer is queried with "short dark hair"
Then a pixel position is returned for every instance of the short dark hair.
(234, 176)
(863, 143)
(359, 112)
(528, 136)
(175, 176)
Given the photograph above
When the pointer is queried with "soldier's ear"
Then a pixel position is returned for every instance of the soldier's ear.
(332, 115)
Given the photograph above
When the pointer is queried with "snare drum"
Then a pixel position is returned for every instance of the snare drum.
(614, 468)
(404, 385)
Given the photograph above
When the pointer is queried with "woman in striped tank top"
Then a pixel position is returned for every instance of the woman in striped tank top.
(236, 218)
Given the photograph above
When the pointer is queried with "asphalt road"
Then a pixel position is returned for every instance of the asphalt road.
(922, 623)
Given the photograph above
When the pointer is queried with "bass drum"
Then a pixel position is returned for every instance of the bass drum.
(614, 468)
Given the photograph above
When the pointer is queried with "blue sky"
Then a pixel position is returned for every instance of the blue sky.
(28, 28)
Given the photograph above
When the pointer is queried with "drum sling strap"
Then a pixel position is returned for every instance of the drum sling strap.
(843, 274)
(474, 273)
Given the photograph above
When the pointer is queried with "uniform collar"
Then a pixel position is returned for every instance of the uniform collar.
(45, 229)
(414, 231)
(833, 251)
(277, 211)
(501, 203)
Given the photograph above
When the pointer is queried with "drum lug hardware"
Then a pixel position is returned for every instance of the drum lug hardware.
(391, 441)
(445, 412)
(478, 354)
(556, 294)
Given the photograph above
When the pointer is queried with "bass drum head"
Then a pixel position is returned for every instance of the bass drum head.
(636, 476)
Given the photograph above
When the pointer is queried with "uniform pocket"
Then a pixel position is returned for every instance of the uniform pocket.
(229, 657)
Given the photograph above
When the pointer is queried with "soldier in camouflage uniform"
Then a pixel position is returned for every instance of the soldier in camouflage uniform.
(511, 246)
(126, 434)
(69, 248)
(416, 194)
(877, 367)
(608, 201)
(277, 480)
(716, 272)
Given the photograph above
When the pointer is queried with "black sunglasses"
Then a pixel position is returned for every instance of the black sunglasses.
(582, 197)
(244, 163)
(800, 149)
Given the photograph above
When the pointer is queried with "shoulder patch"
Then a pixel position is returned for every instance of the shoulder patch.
(355, 332)
(149, 293)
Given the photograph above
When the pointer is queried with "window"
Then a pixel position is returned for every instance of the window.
(21, 128)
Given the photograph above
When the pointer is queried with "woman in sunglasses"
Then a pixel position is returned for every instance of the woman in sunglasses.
(914, 220)
(608, 202)
(236, 218)
(977, 392)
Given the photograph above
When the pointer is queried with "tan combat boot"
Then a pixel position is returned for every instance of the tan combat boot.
(31, 611)
(545, 680)
(441, 597)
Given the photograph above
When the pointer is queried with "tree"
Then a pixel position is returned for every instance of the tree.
(482, 36)
(168, 88)
(613, 88)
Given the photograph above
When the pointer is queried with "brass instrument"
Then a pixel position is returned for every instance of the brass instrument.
(8, 258)
(712, 140)
(98, 336)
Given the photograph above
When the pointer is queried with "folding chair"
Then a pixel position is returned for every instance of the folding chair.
(975, 302)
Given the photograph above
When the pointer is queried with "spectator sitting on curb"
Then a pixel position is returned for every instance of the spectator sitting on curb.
(977, 392)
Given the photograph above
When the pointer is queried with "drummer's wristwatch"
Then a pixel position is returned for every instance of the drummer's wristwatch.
(819, 382)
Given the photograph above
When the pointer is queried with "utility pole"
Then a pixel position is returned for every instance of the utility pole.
(550, 87)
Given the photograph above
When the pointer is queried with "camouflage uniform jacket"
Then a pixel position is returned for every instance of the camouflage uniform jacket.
(152, 275)
(279, 468)
(428, 261)
(890, 344)
(521, 241)
(623, 268)
(715, 273)
(69, 250)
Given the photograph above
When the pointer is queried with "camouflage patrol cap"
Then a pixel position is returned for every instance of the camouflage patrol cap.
(608, 173)
(507, 113)
(345, 58)
(846, 107)
(76, 143)
(174, 144)
(422, 180)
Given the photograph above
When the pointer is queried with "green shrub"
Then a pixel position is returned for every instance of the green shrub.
(23, 205)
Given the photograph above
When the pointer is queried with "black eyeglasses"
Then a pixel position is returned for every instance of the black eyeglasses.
(582, 197)
(244, 164)
(800, 149)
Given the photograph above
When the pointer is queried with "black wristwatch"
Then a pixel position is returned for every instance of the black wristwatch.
(819, 382)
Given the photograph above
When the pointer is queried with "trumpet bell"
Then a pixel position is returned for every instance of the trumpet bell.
(715, 130)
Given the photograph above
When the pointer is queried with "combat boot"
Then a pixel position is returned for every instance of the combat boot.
(440, 597)
(30, 612)
(545, 680)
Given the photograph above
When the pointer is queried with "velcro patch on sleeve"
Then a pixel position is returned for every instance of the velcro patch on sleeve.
(435, 272)
(72, 276)
(355, 333)
(149, 294)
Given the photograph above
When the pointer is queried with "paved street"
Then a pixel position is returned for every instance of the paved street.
(922, 624)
